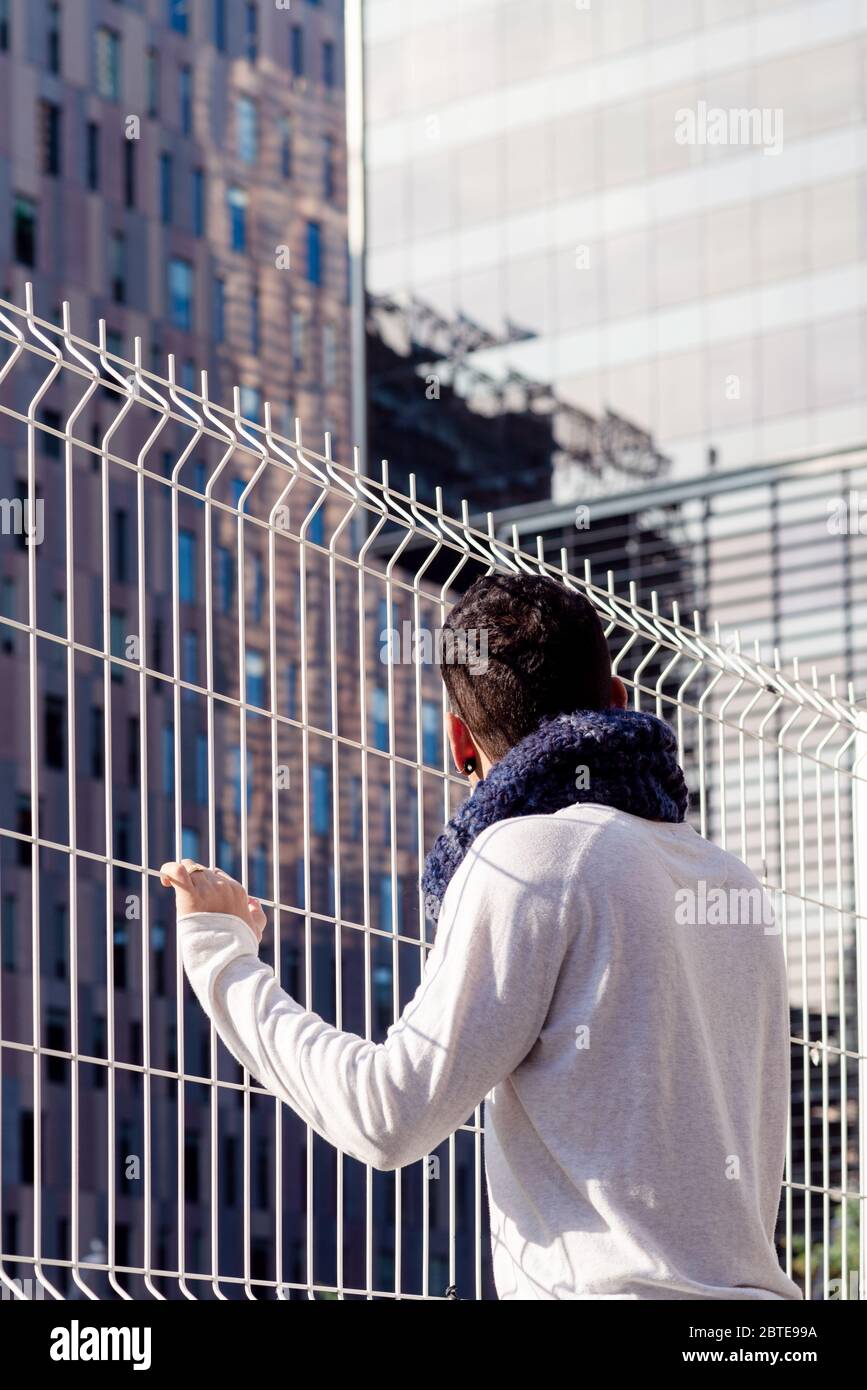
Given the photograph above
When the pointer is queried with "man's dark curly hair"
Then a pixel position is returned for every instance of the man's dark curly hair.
(546, 655)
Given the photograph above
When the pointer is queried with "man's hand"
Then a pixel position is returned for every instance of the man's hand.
(210, 890)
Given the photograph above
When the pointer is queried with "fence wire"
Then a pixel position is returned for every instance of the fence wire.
(213, 641)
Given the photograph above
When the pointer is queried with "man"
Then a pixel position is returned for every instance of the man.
(633, 1058)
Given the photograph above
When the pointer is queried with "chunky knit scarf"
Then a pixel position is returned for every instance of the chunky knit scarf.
(614, 757)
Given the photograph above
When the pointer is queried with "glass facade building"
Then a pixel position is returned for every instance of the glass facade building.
(653, 208)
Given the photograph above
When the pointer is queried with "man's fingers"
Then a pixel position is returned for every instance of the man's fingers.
(176, 875)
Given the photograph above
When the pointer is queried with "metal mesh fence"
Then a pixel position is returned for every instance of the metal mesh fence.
(214, 640)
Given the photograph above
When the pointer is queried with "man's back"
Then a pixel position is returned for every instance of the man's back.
(637, 1150)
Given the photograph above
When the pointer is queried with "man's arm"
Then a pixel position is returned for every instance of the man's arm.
(476, 1014)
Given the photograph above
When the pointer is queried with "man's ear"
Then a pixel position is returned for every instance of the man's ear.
(619, 697)
(460, 741)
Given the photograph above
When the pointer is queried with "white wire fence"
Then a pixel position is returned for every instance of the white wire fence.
(213, 640)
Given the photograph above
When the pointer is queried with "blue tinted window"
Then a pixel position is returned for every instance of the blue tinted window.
(314, 253)
(246, 130)
(220, 25)
(219, 310)
(166, 191)
(225, 578)
(251, 403)
(190, 657)
(259, 872)
(201, 768)
(187, 566)
(168, 761)
(321, 780)
(256, 679)
(431, 728)
(178, 15)
(297, 50)
(186, 99)
(386, 914)
(199, 202)
(189, 842)
(251, 34)
(379, 710)
(328, 65)
(180, 293)
(237, 219)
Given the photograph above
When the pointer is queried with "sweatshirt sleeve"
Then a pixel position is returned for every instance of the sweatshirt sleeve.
(478, 1011)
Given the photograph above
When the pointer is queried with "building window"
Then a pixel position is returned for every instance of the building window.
(237, 219)
(235, 774)
(190, 657)
(199, 202)
(8, 931)
(245, 115)
(329, 355)
(24, 230)
(258, 588)
(251, 32)
(178, 16)
(117, 639)
(168, 760)
(166, 187)
(50, 130)
(119, 545)
(180, 293)
(108, 64)
(314, 253)
(153, 82)
(256, 679)
(185, 78)
(298, 333)
(220, 25)
(219, 309)
(251, 403)
(225, 578)
(117, 267)
(189, 847)
(431, 728)
(4, 26)
(133, 749)
(321, 787)
(97, 741)
(92, 150)
(129, 147)
(8, 608)
(23, 823)
(51, 444)
(53, 37)
(285, 129)
(329, 181)
(297, 51)
(255, 322)
(202, 769)
(355, 809)
(386, 923)
(53, 730)
(328, 65)
(187, 566)
(379, 710)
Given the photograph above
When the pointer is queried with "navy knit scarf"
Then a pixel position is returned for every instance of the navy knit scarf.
(631, 762)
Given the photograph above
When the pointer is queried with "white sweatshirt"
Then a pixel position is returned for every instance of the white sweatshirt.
(635, 1067)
